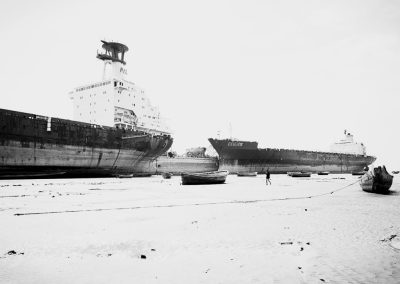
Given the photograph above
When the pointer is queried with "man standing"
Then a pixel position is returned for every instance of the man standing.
(267, 177)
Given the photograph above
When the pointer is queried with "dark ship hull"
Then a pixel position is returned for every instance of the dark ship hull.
(37, 146)
(239, 156)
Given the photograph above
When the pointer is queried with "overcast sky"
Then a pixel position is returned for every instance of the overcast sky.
(288, 74)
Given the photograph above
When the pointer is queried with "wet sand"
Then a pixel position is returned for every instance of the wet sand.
(151, 230)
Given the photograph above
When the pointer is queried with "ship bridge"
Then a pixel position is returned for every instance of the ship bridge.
(348, 146)
(115, 101)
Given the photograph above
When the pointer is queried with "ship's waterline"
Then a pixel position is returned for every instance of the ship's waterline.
(235, 166)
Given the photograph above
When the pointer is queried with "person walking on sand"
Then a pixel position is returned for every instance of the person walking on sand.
(267, 177)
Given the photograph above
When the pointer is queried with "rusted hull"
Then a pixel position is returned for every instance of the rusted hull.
(32, 145)
(240, 156)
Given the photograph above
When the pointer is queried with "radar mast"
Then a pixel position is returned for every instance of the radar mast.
(114, 55)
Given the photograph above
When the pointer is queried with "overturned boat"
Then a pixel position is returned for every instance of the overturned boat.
(376, 181)
(215, 177)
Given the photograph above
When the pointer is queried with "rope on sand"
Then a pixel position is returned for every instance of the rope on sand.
(186, 205)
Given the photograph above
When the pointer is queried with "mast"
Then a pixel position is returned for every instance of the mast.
(114, 55)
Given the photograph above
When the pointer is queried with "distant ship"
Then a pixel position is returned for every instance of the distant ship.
(116, 130)
(236, 156)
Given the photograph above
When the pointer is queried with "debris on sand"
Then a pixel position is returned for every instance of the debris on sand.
(286, 243)
(13, 252)
(142, 256)
(388, 239)
(393, 240)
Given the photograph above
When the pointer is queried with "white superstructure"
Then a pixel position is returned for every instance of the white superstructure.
(348, 146)
(115, 101)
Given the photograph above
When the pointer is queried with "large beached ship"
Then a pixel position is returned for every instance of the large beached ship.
(115, 130)
(346, 156)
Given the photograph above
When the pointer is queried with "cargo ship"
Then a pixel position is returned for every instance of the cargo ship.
(115, 130)
(346, 156)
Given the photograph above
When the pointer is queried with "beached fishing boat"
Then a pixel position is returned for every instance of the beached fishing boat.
(125, 176)
(377, 181)
(358, 173)
(247, 174)
(395, 172)
(204, 178)
(298, 174)
(323, 173)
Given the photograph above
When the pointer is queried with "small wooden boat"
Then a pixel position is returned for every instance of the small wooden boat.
(142, 175)
(247, 174)
(377, 181)
(166, 175)
(323, 173)
(395, 172)
(299, 174)
(358, 173)
(125, 176)
(133, 175)
(204, 178)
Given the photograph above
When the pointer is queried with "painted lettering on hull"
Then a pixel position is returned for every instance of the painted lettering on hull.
(235, 144)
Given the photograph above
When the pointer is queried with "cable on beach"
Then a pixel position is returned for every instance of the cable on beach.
(188, 204)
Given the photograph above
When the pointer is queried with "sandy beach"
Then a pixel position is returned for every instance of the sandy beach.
(151, 230)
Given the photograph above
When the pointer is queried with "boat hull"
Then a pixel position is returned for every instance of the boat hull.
(37, 146)
(242, 156)
(247, 174)
(376, 181)
(179, 165)
(166, 175)
(204, 178)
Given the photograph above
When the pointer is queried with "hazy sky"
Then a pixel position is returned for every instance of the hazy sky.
(289, 74)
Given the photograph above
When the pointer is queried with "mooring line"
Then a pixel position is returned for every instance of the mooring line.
(188, 204)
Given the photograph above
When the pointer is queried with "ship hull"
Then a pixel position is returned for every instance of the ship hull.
(239, 156)
(179, 165)
(37, 146)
